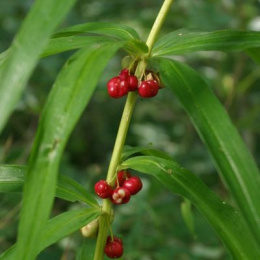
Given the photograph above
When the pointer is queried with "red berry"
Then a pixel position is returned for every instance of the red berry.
(117, 87)
(133, 184)
(124, 74)
(148, 88)
(123, 88)
(122, 176)
(133, 83)
(120, 195)
(115, 239)
(103, 189)
(114, 249)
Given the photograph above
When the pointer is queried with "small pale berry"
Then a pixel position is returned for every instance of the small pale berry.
(103, 189)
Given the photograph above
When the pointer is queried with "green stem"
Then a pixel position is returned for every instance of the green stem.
(104, 219)
(158, 24)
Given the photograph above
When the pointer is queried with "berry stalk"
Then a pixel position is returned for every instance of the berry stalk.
(104, 219)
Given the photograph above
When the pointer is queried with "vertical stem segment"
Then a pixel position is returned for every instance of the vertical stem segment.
(104, 219)
(158, 24)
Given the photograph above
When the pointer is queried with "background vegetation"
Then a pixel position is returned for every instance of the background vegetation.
(150, 226)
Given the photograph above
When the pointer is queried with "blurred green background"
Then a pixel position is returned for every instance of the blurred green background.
(151, 225)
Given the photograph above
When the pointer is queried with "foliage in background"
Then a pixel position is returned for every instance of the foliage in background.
(234, 78)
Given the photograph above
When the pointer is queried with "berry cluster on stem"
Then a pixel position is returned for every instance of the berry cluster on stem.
(126, 185)
(125, 82)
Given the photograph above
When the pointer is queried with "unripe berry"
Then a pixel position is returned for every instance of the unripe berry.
(120, 196)
(103, 189)
(148, 88)
(90, 230)
(133, 184)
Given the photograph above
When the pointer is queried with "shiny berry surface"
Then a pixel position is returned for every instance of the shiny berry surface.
(124, 74)
(103, 189)
(114, 249)
(133, 83)
(133, 184)
(117, 87)
(121, 177)
(148, 88)
(115, 239)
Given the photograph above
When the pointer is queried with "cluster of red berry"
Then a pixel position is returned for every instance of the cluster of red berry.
(126, 185)
(114, 247)
(120, 85)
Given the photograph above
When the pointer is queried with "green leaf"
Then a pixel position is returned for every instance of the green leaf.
(26, 49)
(185, 41)
(136, 47)
(61, 44)
(58, 227)
(70, 94)
(71, 190)
(87, 250)
(12, 180)
(226, 221)
(230, 155)
(145, 150)
(115, 30)
(254, 53)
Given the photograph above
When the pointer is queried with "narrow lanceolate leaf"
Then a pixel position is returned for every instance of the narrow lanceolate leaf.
(144, 150)
(12, 180)
(70, 190)
(67, 100)
(61, 44)
(60, 226)
(226, 221)
(115, 30)
(232, 158)
(25, 50)
(185, 41)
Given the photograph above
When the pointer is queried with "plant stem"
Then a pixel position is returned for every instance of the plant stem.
(158, 24)
(104, 219)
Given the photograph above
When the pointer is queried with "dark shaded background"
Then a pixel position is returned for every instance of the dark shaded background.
(151, 225)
